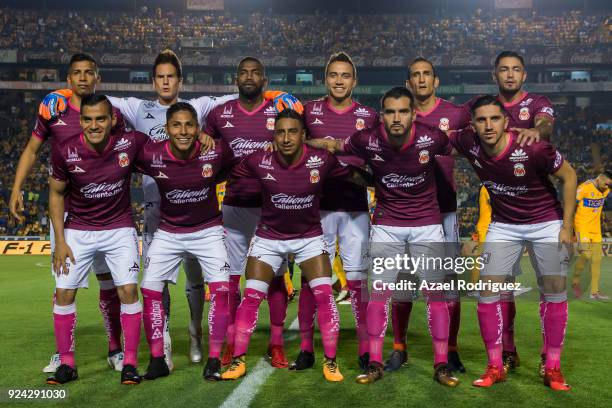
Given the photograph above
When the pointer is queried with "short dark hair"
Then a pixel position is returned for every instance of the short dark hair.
(94, 99)
(290, 114)
(341, 56)
(396, 93)
(487, 100)
(181, 106)
(422, 59)
(252, 59)
(82, 56)
(506, 54)
(168, 56)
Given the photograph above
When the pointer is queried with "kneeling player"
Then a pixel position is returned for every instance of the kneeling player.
(291, 180)
(94, 169)
(525, 212)
(190, 225)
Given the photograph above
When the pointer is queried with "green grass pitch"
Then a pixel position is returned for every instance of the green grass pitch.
(27, 342)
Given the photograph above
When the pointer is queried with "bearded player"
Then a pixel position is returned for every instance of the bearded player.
(344, 206)
(526, 212)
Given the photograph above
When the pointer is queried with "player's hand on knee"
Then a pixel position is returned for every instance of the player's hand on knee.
(62, 253)
(16, 205)
(207, 142)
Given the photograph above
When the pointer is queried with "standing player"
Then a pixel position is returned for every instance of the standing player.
(247, 126)
(82, 79)
(590, 198)
(525, 212)
(94, 170)
(530, 116)
(290, 180)
(190, 224)
(437, 113)
(344, 205)
(401, 152)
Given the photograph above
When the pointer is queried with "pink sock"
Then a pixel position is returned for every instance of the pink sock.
(555, 323)
(490, 320)
(153, 317)
(234, 301)
(64, 323)
(438, 323)
(218, 316)
(110, 308)
(454, 313)
(400, 316)
(277, 300)
(508, 313)
(359, 304)
(542, 308)
(306, 317)
(378, 314)
(131, 321)
(327, 316)
(246, 319)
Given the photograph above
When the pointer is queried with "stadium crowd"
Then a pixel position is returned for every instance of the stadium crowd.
(314, 34)
(575, 136)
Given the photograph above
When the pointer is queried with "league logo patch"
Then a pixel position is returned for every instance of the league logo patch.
(314, 176)
(270, 124)
(207, 170)
(444, 124)
(124, 160)
(524, 113)
(359, 124)
(519, 170)
(424, 156)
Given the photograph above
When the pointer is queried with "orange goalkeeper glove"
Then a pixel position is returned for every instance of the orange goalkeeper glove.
(54, 104)
(283, 100)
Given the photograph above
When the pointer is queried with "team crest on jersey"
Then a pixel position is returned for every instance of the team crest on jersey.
(73, 156)
(524, 113)
(363, 112)
(314, 176)
(266, 162)
(519, 170)
(518, 155)
(373, 144)
(424, 156)
(270, 123)
(360, 124)
(317, 109)
(122, 144)
(124, 160)
(227, 112)
(444, 124)
(157, 162)
(424, 141)
(314, 162)
(207, 171)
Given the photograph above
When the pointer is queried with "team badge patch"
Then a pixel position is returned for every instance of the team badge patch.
(314, 176)
(524, 113)
(359, 124)
(207, 170)
(519, 170)
(270, 124)
(124, 160)
(444, 124)
(424, 156)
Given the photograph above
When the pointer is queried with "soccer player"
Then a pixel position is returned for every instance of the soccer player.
(247, 125)
(401, 155)
(82, 79)
(94, 170)
(591, 196)
(525, 212)
(291, 181)
(530, 117)
(446, 116)
(190, 223)
(344, 205)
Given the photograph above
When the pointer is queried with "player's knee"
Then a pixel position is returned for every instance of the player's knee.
(64, 297)
(128, 294)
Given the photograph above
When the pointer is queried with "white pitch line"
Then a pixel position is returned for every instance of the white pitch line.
(243, 395)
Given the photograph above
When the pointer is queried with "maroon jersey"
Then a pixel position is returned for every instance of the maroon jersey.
(325, 121)
(403, 180)
(517, 179)
(245, 132)
(445, 116)
(290, 205)
(187, 187)
(522, 112)
(98, 183)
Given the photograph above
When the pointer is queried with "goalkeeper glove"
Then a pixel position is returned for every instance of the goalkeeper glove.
(54, 104)
(283, 100)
